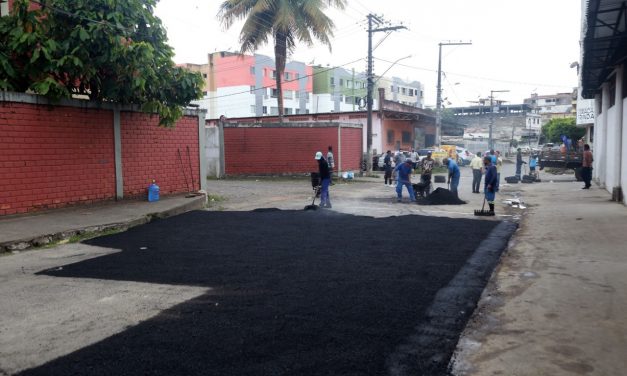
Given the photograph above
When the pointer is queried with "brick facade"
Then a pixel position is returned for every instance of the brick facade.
(53, 156)
(288, 149)
(152, 152)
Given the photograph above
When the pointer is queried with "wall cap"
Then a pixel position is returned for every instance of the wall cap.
(307, 124)
(10, 96)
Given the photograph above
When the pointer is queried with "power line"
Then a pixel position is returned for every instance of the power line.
(477, 77)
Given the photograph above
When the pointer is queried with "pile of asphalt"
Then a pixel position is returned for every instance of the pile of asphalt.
(292, 293)
(440, 196)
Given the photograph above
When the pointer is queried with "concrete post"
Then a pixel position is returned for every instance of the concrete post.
(201, 150)
(617, 192)
(221, 165)
(339, 150)
(117, 142)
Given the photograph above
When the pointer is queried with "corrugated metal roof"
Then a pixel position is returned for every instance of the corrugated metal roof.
(604, 43)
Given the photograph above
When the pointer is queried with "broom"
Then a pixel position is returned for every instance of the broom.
(482, 212)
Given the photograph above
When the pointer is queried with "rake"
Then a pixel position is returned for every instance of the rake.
(482, 212)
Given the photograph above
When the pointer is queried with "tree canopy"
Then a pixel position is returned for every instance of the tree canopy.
(287, 21)
(114, 51)
(555, 128)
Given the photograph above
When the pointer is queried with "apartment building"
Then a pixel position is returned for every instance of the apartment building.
(398, 90)
(558, 105)
(239, 85)
(338, 90)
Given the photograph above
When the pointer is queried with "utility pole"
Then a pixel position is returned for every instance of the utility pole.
(490, 139)
(438, 103)
(372, 18)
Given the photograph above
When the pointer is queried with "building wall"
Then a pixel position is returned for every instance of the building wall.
(51, 157)
(57, 155)
(152, 152)
(276, 149)
(338, 89)
(397, 90)
(241, 85)
(610, 136)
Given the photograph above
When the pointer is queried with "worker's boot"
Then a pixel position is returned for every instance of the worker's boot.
(491, 208)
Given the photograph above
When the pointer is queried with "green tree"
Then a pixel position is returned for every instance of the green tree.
(555, 128)
(287, 21)
(113, 51)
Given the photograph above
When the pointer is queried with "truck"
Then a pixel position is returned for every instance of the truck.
(553, 157)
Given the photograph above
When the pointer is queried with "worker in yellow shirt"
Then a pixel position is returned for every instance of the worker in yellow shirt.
(477, 170)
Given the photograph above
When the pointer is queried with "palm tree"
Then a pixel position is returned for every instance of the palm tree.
(287, 21)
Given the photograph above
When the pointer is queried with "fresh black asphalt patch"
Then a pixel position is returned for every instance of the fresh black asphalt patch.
(293, 293)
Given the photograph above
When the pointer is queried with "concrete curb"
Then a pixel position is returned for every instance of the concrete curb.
(453, 305)
(42, 240)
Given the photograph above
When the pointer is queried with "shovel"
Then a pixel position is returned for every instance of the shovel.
(313, 206)
(482, 212)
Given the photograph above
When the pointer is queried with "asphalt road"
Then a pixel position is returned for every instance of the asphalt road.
(289, 293)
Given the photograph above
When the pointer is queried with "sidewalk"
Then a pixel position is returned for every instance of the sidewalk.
(556, 304)
(41, 228)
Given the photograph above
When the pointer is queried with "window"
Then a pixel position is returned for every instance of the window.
(297, 94)
(274, 75)
(406, 137)
(288, 94)
(288, 76)
(287, 111)
(332, 81)
(274, 110)
(204, 94)
(274, 93)
(252, 89)
(410, 92)
(204, 75)
(404, 91)
(390, 137)
(4, 8)
(297, 111)
(253, 109)
(264, 110)
(349, 84)
(341, 82)
(252, 70)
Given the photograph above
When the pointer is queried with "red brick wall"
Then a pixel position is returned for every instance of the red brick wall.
(54, 156)
(151, 152)
(286, 150)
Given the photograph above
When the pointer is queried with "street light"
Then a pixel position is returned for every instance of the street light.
(490, 140)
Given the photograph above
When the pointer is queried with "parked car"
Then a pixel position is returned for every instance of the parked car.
(463, 156)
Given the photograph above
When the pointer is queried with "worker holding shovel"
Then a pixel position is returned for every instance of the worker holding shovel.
(403, 174)
(490, 186)
(325, 180)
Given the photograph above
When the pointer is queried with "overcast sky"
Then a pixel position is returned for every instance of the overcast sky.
(521, 46)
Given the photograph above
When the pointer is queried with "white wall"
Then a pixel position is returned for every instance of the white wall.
(611, 149)
(623, 156)
(235, 101)
(212, 151)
